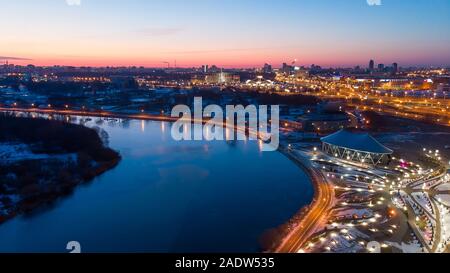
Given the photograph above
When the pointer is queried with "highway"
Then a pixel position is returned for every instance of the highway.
(254, 132)
(105, 114)
(422, 109)
(317, 213)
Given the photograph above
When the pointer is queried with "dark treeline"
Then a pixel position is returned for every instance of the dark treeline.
(55, 137)
(39, 181)
(386, 123)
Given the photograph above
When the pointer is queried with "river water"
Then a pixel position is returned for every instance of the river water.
(168, 196)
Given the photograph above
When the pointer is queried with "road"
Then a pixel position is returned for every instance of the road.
(428, 109)
(89, 113)
(138, 116)
(317, 213)
(421, 109)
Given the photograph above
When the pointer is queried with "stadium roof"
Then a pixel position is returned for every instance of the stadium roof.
(361, 142)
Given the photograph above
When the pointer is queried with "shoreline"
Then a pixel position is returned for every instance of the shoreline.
(29, 206)
(305, 212)
(23, 193)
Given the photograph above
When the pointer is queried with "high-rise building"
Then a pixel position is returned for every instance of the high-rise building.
(205, 68)
(286, 69)
(381, 67)
(395, 68)
(267, 68)
(371, 65)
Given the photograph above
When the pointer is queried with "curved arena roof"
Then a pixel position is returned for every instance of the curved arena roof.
(361, 142)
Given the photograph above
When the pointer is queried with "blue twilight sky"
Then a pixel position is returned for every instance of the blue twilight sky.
(240, 33)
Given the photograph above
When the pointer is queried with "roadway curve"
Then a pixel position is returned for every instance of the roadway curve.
(317, 212)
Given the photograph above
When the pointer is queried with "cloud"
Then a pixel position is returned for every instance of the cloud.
(6, 58)
(160, 31)
(73, 2)
(374, 2)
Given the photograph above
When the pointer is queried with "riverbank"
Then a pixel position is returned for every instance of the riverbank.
(43, 160)
(294, 233)
(279, 239)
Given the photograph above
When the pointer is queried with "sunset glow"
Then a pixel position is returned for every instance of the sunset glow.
(226, 33)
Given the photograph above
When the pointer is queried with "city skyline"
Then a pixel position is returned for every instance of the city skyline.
(248, 127)
(98, 33)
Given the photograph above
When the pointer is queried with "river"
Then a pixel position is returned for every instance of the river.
(168, 196)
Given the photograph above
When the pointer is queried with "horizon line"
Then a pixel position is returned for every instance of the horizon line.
(219, 66)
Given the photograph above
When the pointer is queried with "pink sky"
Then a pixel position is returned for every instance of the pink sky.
(221, 32)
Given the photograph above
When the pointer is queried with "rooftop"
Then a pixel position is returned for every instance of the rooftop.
(362, 142)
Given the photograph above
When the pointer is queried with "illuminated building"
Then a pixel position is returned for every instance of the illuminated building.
(91, 79)
(221, 78)
(357, 147)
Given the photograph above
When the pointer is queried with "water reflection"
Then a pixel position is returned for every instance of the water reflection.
(260, 145)
(168, 196)
(142, 126)
(125, 123)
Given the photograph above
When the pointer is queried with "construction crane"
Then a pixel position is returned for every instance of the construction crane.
(168, 64)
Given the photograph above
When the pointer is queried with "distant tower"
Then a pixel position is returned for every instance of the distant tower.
(371, 65)
(222, 78)
(395, 68)
(381, 67)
